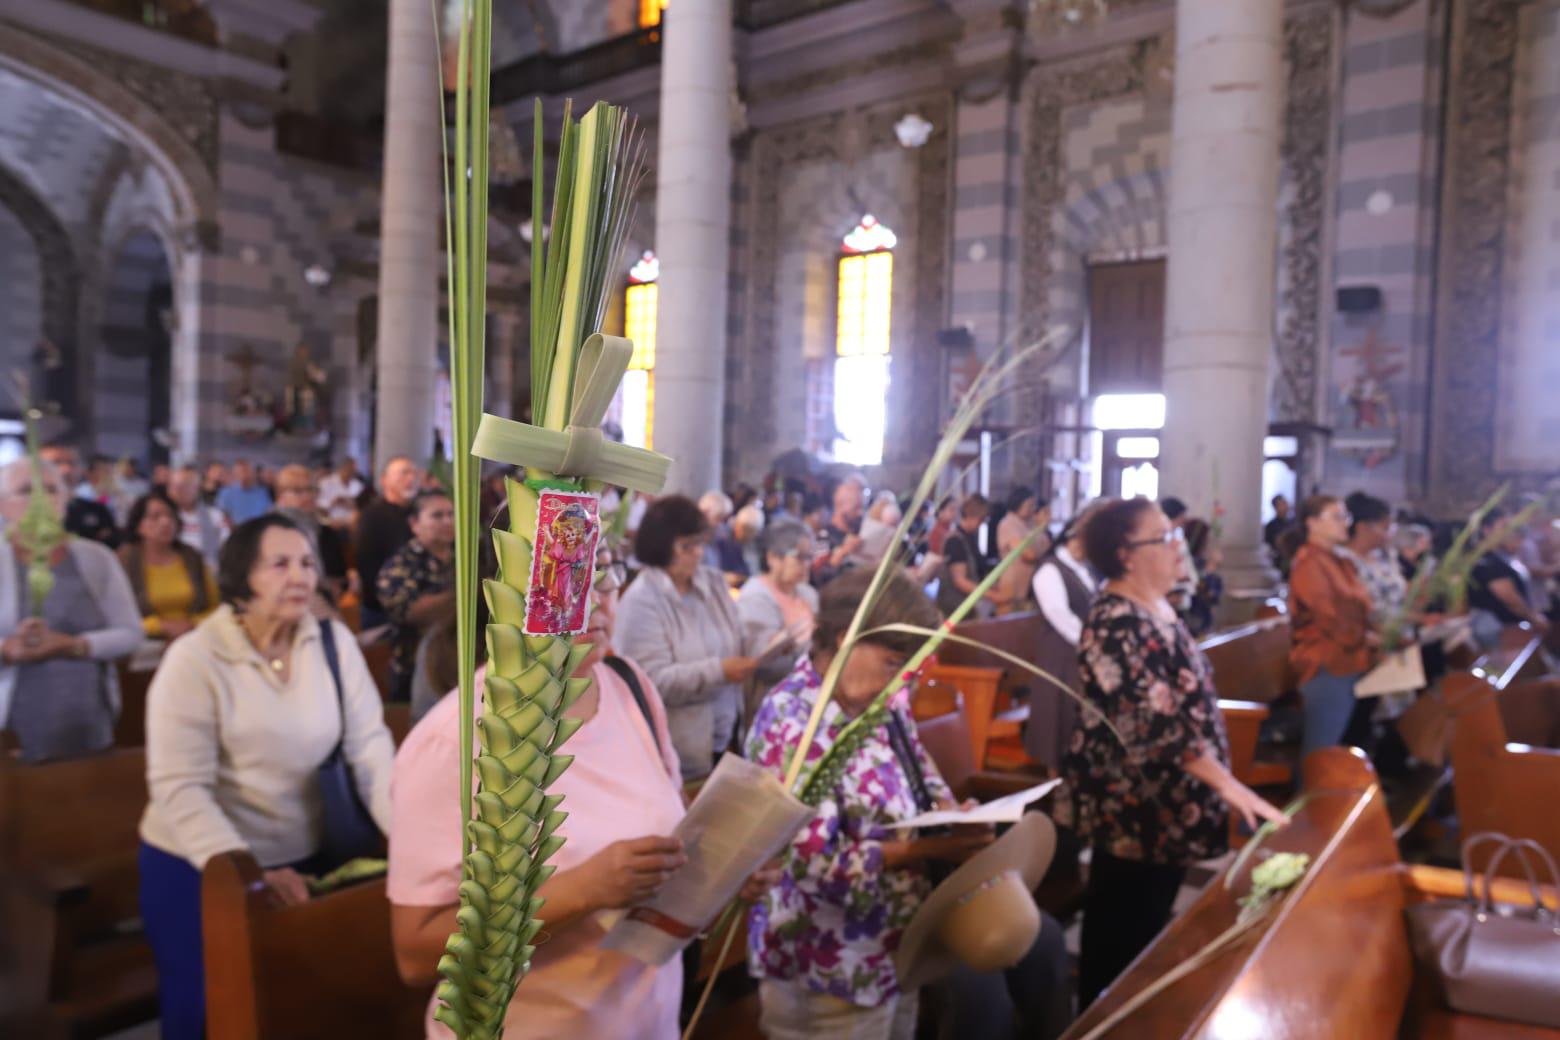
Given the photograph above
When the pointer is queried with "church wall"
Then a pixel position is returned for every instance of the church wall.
(1386, 200)
(21, 295)
(279, 216)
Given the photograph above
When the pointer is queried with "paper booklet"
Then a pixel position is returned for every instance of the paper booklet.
(1400, 672)
(1006, 809)
(740, 820)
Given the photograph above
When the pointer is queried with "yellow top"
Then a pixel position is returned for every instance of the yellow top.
(171, 595)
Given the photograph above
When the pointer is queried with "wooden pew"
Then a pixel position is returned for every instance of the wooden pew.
(71, 946)
(324, 969)
(1251, 669)
(1331, 962)
(977, 687)
(1500, 786)
(134, 683)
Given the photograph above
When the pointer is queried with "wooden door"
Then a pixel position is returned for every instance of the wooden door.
(1126, 327)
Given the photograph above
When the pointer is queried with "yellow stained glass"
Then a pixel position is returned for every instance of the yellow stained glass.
(650, 12)
(866, 297)
(639, 324)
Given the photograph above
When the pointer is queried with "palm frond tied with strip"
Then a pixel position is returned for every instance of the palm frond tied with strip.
(517, 736)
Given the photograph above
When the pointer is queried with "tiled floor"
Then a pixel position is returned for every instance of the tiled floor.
(148, 1031)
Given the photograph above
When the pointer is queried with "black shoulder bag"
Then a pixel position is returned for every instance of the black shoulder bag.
(350, 830)
(626, 672)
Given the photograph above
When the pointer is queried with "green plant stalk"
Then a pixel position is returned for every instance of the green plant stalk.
(985, 389)
(39, 531)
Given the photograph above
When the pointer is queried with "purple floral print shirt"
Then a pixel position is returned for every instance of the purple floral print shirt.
(837, 915)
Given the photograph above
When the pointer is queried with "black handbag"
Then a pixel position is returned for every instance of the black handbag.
(350, 830)
(1491, 960)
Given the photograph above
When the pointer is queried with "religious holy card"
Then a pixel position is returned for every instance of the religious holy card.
(563, 563)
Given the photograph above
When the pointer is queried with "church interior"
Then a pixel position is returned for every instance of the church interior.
(1114, 430)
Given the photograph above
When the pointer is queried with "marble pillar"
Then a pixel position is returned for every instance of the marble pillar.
(410, 259)
(1223, 240)
(692, 221)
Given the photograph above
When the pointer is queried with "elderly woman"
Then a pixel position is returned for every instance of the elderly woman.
(822, 942)
(1148, 783)
(173, 586)
(59, 691)
(678, 621)
(1331, 636)
(778, 604)
(239, 718)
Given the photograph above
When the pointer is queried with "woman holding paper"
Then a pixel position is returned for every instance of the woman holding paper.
(624, 797)
(679, 623)
(1148, 783)
(1332, 640)
(777, 606)
(822, 942)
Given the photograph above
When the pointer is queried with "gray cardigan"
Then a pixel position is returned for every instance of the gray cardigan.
(121, 634)
(762, 618)
(680, 640)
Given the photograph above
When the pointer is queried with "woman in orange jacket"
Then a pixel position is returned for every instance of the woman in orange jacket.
(1333, 642)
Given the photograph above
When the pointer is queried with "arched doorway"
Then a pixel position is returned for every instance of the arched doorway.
(132, 371)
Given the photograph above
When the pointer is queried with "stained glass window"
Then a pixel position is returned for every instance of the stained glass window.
(638, 390)
(861, 344)
(650, 13)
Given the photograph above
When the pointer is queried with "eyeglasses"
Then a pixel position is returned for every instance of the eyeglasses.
(690, 543)
(1164, 539)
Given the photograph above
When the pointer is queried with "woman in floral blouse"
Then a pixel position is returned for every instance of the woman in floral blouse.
(1148, 780)
(823, 940)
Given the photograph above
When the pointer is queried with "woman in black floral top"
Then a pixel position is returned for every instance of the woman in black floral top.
(1157, 799)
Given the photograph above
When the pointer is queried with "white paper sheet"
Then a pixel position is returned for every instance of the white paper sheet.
(1006, 809)
(1397, 673)
(740, 820)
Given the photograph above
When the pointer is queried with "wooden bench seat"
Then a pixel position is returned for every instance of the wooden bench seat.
(1499, 785)
(324, 969)
(71, 943)
(1331, 962)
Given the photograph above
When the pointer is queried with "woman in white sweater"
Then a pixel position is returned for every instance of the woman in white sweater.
(240, 716)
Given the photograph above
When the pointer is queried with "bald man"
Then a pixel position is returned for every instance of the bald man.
(383, 527)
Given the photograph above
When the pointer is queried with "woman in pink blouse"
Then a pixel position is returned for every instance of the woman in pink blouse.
(623, 796)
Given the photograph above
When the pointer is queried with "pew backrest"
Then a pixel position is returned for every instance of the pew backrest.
(1251, 662)
(323, 969)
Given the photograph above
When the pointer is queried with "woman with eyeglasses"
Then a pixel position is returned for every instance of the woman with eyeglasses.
(1148, 784)
(678, 621)
(777, 606)
(624, 800)
(1332, 641)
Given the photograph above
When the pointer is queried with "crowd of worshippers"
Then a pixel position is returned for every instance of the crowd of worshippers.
(712, 625)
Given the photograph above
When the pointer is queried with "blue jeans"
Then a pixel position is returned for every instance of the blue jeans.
(170, 908)
(1330, 712)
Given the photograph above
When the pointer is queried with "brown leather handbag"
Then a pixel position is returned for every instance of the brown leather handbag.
(1498, 961)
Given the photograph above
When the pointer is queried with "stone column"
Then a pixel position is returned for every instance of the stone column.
(1223, 240)
(409, 255)
(692, 221)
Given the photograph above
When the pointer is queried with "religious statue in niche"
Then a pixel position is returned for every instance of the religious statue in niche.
(250, 410)
(303, 401)
(1368, 424)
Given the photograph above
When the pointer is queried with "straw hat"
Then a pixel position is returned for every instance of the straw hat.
(984, 914)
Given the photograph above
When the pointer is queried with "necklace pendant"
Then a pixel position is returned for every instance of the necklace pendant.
(277, 664)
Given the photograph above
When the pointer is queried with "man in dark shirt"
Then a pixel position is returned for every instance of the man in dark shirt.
(1498, 588)
(963, 563)
(84, 517)
(1275, 528)
(383, 528)
(841, 537)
